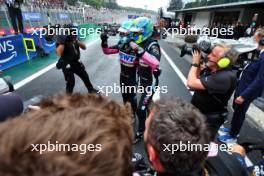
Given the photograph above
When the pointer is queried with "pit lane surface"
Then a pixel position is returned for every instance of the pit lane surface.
(104, 71)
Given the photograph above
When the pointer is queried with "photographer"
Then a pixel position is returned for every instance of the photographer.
(213, 86)
(15, 13)
(68, 48)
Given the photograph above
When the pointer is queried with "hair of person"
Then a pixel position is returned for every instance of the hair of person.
(260, 31)
(69, 120)
(176, 121)
(226, 48)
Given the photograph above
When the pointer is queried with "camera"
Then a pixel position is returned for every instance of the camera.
(203, 46)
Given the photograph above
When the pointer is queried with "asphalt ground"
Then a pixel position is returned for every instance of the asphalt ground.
(104, 71)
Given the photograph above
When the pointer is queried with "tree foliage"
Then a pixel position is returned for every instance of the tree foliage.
(111, 5)
(71, 2)
(94, 3)
(176, 4)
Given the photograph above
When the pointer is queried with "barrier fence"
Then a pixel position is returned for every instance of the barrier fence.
(33, 18)
(17, 49)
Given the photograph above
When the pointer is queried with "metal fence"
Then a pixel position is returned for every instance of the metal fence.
(48, 16)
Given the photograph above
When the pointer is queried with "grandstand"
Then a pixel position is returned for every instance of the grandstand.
(59, 12)
(48, 4)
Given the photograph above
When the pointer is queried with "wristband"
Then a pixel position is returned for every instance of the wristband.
(195, 65)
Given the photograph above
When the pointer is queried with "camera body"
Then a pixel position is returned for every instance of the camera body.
(203, 46)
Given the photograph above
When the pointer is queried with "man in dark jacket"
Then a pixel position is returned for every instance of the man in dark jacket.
(250, 87)
(68, 48)
(15, 13)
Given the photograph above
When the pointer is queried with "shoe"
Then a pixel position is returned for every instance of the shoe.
(227, 138)
(223, 131)
(138, 162)
(138, 137)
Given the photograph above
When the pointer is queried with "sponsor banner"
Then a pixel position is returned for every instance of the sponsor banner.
(132, 16)
(48, 46)
(12, 51)
(64, 16)
(30, 16)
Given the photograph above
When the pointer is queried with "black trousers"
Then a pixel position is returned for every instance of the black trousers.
(129, 95)
(78, 69)
(214, 121)
(143, 106)
(16, 17)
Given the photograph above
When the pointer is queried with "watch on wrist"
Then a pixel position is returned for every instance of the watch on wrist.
(195, 65)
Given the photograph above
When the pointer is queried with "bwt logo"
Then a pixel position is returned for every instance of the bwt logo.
(7, 47)
(126, 57)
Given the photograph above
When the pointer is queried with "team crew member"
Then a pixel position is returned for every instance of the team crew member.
(250, 87)
(15, 13)
(128, 63)
(212, 86)
(148, 52)
(68, 48)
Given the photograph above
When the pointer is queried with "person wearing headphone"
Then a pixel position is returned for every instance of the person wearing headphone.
(250, 87)
(213, 85)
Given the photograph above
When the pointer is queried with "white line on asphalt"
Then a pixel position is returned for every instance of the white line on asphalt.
(184, 80)
(176, 69)
(34, 76)
(41, 72)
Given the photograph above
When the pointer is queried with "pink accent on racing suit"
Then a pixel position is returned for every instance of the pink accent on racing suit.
(150, 60)
(108, 51)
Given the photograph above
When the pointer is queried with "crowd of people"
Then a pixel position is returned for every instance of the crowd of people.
(48, 4)
(88, 13)
(76, 134)
(82, 120)
(240, 29)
